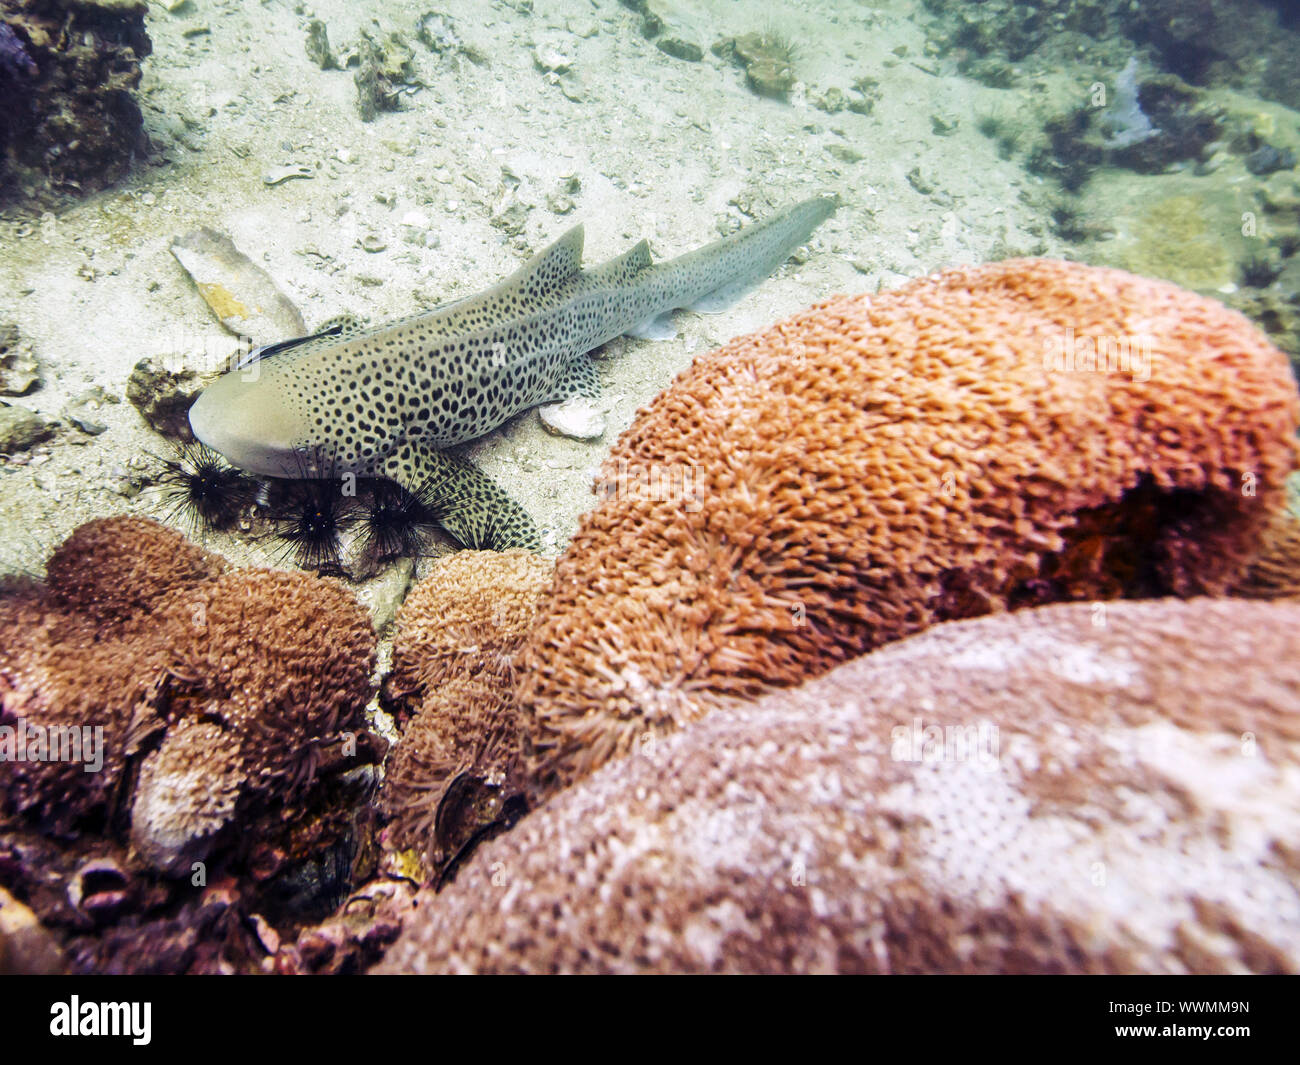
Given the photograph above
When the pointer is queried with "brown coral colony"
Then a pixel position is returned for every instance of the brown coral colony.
(149, 638)
(880, 463)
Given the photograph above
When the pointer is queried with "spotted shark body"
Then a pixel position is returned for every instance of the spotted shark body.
(388, 402)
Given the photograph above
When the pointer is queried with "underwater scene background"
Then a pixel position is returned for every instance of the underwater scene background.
(919, 596)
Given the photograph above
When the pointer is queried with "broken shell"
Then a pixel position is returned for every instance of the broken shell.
(576, 417)
(99, 888)
(284, 173)
(240, 293)
(548, 59)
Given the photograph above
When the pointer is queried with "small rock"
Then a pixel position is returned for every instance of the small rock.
(866, 91)
(576, 417)
(831, 101)
(943, 125)
(582, 27)
(81, 410)
(550, 60)
(81, 419)
(439, 34)
(384, 589)
(919, 181)
(844, 153)
(767, 59)
(559, 203)
(20, 428)
(373, 243)
(679, 49)
(1268, 159)
(570, 88)
(123, 482)
(383, 67)
(19, 373)
(510, 216)
(318, 46)
(164, 397)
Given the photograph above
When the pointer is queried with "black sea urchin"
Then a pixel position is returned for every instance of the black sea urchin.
(317, 515)
(395, 524)
(1259, 271)
(203, 488)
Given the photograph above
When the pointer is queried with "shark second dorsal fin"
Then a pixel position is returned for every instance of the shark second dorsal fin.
(622, 269)
(632, 261)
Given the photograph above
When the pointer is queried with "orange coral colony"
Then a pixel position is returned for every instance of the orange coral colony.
(990, 437)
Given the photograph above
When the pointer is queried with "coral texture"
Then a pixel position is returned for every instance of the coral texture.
(1275, 572)
(915, 811)
(453, 771)
(880, 463)
(466, 617)
(118, 568)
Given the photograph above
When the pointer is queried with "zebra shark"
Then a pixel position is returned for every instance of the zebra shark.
(389, 401)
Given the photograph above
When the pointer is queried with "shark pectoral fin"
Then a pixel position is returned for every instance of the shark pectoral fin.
(578, 378)
(660, 327)
(467, 503)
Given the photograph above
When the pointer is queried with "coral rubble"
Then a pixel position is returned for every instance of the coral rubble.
(68, 118)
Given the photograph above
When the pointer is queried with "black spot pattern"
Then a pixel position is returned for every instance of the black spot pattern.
(384, 401)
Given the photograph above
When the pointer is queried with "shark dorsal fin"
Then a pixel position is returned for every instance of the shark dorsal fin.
(556, 262)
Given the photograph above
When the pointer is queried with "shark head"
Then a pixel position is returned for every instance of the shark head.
(251, 419)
